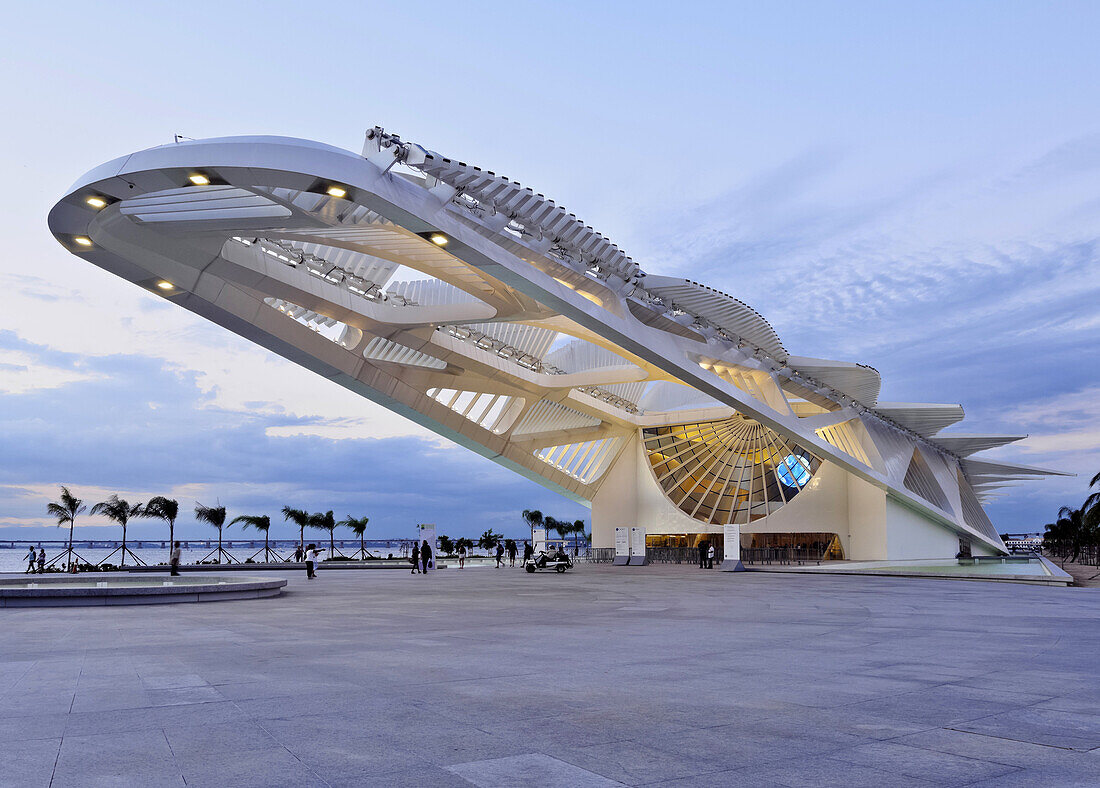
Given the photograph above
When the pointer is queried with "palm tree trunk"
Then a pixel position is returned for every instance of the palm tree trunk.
(331, 545)
(267, 555)
(123, 545)
(362, 550)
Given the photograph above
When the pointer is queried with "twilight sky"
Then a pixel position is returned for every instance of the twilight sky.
(911, 186)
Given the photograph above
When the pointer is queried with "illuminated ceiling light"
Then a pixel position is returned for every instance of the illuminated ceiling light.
(165, 285)
(96, 202)
(439, 239)
(336, 191)
(83, 240)
(199, 179)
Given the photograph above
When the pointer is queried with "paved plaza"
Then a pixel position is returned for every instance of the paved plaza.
(662, 675)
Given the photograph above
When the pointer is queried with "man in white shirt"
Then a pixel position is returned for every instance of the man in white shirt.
(313, 557)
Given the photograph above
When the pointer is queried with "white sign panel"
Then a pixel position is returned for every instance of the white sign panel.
(426, 533)
(731, 548)
(538, 539)
(637, 546)
(622, 546)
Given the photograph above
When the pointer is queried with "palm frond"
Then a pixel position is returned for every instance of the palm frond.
(213, 515)
(260, 522)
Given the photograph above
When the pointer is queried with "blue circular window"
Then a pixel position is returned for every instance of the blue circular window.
(794, 471)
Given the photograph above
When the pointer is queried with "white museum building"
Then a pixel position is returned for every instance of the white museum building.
(491, 315)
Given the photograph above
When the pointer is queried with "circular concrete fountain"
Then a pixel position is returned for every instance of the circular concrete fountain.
(93, 589)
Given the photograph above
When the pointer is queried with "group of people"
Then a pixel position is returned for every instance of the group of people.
(36, 562)
(706, 555)
(422, 558)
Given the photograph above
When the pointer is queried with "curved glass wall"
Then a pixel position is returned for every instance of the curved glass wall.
(734, 470)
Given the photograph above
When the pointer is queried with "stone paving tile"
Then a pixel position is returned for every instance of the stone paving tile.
(633, 763)
(122, 720)
(533, 769)
(265, 768)
(332, 744)
(413, 777)
(28, 763)
(1040, 726)
(21, 727)
(138, 758)
(938, 767)
(198, 743)
(935, 706)
(819, 772)
(996, 750)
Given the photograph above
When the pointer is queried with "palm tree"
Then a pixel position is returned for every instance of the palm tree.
(578, 528)
(488, 540)
(1068, 534)
(300, 517)
(533, 518)
(115, 508)
(215, 516)
(561, 527)
(1092, 503)
(261, 523)
(358, 525)
(166, 509)
(446, 545)
(65, 509)
(325, 522)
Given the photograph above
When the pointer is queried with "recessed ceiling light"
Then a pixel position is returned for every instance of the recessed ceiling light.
(439, 239)
(96, 202)
(336, 191)
(83, 240)
(165, 285)
(199, 179)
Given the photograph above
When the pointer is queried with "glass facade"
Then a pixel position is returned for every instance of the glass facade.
(734, 470)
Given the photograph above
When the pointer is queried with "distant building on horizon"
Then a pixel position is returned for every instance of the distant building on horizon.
(491, 315)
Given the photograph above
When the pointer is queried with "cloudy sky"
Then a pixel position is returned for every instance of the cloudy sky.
(912, 186)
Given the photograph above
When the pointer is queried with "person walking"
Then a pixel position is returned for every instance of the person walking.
(511, 553)
(703, 555)
(710, 556)
(312, 557)
(500, 555)
(41, 560)
(31, 558)
(174, 560)
(425, 557)
(461, 556)
(528, 551)
(416, 558)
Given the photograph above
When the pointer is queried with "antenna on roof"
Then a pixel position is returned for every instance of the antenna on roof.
(176, 138)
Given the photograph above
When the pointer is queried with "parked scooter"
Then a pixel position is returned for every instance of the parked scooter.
(559, 562)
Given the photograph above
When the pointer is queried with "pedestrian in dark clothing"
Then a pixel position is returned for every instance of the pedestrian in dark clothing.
(174, 560)
(511, 553)
(416, 558)
(528, 551)
(710, 556)
(425, 556)
(702, 555)
(500, 555)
